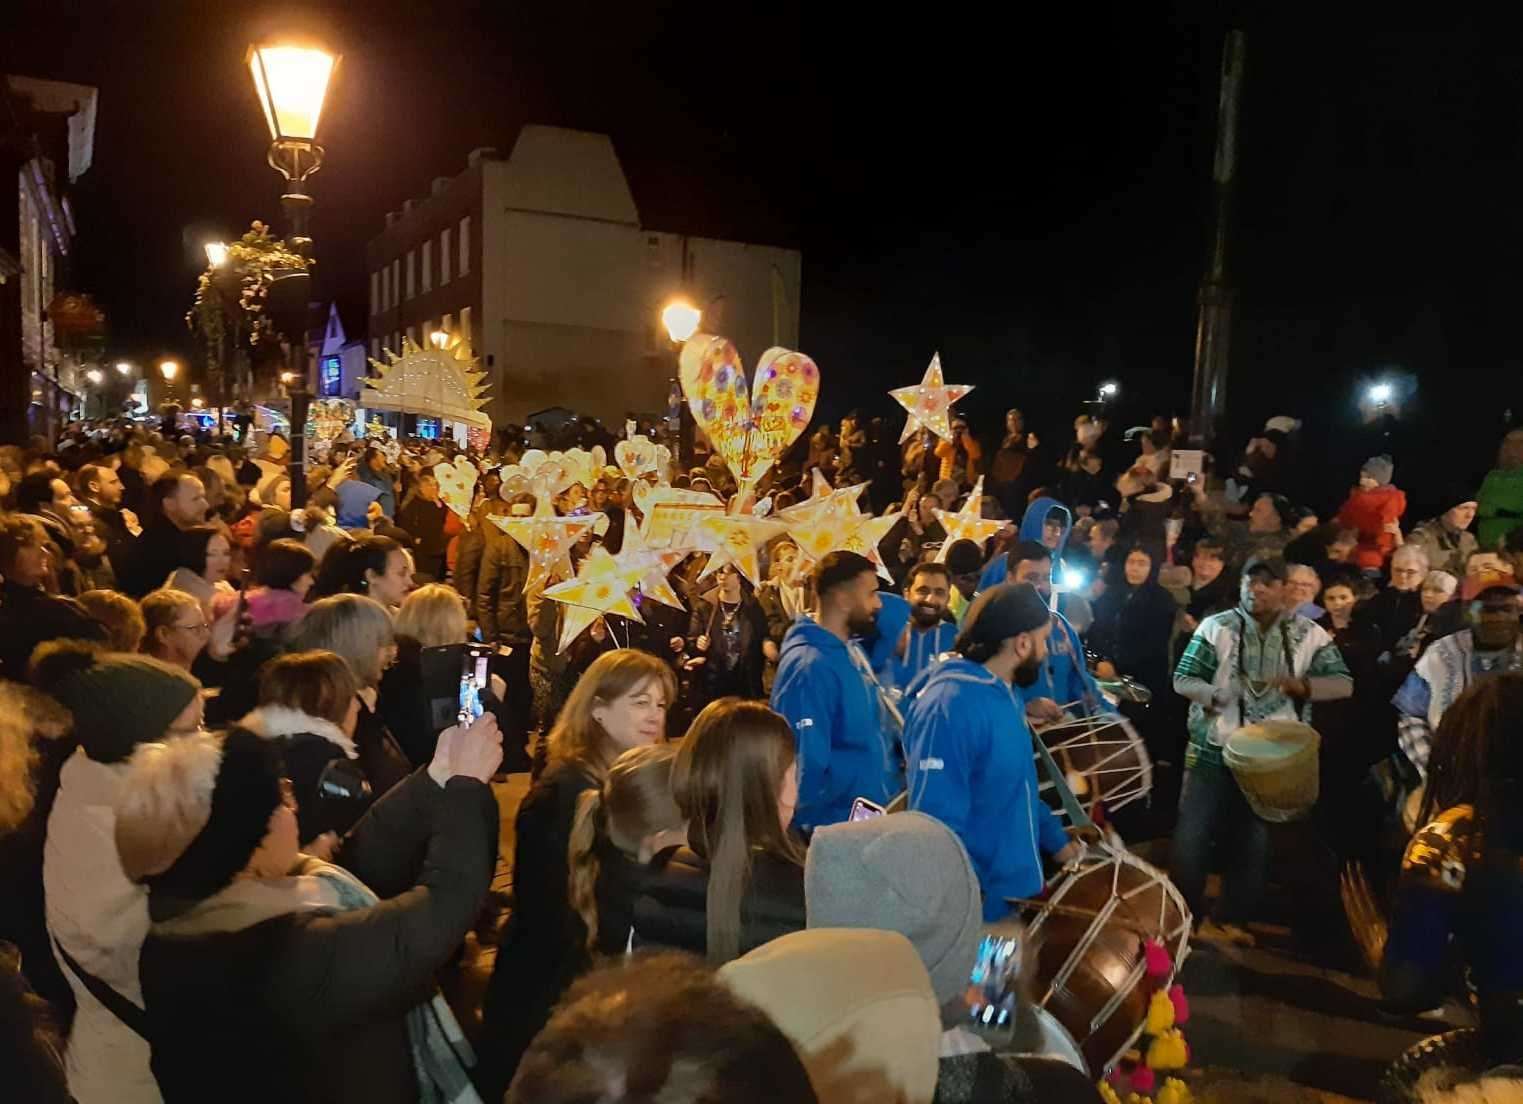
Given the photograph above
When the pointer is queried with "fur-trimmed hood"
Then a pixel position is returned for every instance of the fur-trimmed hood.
(276, 721)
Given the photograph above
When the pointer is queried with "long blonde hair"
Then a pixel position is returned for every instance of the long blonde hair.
(726, 780)
(634, 803)
(577, 737)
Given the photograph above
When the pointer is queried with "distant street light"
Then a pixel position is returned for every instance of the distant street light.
(198, 402)
(1381, 393)
(95, 376)
(288, 378)
(168, 369)
(124, 368)
(1109, 389)
(681, 319)
(216, 253)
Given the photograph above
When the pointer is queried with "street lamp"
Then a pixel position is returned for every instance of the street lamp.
(1380, 393)
(216, 253)
(292, 82)
(124, 368)
(681, 319)
(1109, 390)
(95, 376)
(168, 369)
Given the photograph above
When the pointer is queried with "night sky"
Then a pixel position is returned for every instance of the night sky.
(1031, 198)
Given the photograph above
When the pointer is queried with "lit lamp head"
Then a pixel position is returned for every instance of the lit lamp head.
(1380, 393)
(1109, 390)
(124, 368)
(169, 369)
(292, 82)
(681, 319)
(95, 376)
(216, 254)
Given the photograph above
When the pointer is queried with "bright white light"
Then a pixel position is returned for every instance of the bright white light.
(439, 339)
(1380, 393)
(198, 403)
(169, 369)
(681, 319)
(1073, 579)
(124, 368)
(95, 376)
(216, 253)
(291, 82)
(1109, 389)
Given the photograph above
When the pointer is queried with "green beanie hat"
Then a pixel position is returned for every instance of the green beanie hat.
(118, 700)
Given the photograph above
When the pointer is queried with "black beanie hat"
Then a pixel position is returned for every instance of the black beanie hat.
(246, 793)
(1000, 613)
(964, 558)
(118, 701)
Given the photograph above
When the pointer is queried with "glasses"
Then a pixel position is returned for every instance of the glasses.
(197, 627)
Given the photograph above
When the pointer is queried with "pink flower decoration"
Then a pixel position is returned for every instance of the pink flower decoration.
(1181, 1004)
(1158, 960)
(1143, 1080)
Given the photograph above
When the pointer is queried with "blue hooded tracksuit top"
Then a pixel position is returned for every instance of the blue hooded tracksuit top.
(923, 646)
(843, 750)
(1032, 522)
(972, 767)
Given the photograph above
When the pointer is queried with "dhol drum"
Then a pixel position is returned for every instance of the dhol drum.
(1090, 934)
(1102, 759)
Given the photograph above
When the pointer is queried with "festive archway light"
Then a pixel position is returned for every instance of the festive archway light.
(929, 403)
(445, 383)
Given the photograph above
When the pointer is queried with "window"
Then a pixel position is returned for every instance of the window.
(444, 258)
(375, 293)
(465, 324)
(332, 377)
(448, 325)
(396, 341)
(385, 286)
(375, 348)
(428, 265)
(465, 245)
(412, 334)
(396, 281)
(412, 266)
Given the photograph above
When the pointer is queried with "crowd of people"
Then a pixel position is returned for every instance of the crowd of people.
(245, 832)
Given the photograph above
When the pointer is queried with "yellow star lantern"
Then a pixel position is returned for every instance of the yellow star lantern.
(967, 523)
(822, 500)
(652, 564)
(732, 539)
(601, 587)
(930, 402)
(548, 542)
(866, 537)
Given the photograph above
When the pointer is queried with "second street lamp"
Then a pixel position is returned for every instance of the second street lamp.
(292, 83)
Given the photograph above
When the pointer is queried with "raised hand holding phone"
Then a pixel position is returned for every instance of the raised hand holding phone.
(468, 751)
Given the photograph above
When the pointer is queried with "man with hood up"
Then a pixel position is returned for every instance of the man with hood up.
(969, 749)
(826, 689)
(1047, 522)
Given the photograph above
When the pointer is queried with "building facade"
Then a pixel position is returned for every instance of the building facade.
(47, 140)
(540, 260)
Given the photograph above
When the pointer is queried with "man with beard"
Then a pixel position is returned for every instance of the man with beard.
(969, 750)
(915, 629)
(1063, 683)
(826, 690)
(1255, 663)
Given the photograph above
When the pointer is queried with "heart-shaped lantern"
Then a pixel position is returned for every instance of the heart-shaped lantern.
(457, 484)
(636, 456)
(749, 426)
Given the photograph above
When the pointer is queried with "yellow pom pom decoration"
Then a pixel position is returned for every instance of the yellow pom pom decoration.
(1160, 1014)
(1168, 1051)
(1108, 1094)
(1174, 1091)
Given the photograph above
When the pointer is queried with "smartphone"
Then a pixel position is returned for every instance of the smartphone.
(994, 985)
(863, 809)
(474, 678)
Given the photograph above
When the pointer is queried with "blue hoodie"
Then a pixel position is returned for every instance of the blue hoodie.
(972, 767)
(1032, 523)
(923, 646)
(381, 481)
(1064, 675)
(843, 751)
(354, 499)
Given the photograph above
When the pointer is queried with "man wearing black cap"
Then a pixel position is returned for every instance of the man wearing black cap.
(1447, 538)
(969, 751)
(1257, 662)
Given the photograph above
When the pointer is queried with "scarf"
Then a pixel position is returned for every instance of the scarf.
(441, 1053)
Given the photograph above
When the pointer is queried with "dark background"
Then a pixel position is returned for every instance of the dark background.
(1030, 196)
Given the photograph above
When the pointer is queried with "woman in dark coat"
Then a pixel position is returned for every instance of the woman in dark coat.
(1132, 633)
(327, 971)
(728, 632)
(739, 882)
(620, 703)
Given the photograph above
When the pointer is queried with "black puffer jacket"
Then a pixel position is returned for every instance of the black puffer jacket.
(322, 997)
(307, 745)
(500, 607)
(672, 911)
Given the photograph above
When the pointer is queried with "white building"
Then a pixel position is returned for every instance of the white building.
(541, 261)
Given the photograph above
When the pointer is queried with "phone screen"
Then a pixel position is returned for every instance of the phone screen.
(993, 986)
(863, 809)
(473, 679)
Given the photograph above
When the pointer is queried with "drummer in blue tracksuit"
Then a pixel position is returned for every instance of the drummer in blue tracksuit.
(1063, 682)
(915, 629)
(969, 750)
(824, 687)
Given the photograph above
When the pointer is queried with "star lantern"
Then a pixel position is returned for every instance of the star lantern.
(732, 539)
(967, 523)
(929, 403)
(548, 542)
(652, 565)
(601, 587)
(868, 534)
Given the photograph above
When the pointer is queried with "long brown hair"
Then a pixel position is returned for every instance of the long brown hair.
(726, 780)
(577, 737)
(635, 802)
(1475, 759)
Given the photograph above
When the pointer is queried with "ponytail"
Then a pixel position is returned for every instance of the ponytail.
(582, 861)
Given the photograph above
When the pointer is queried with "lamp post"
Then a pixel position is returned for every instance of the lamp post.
(292, 82)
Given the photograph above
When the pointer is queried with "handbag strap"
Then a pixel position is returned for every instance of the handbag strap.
(118, 1005)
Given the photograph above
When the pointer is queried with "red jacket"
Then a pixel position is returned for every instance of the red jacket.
(1369, 512)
